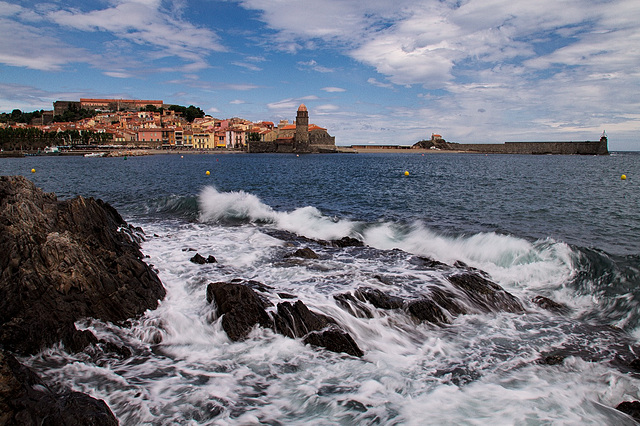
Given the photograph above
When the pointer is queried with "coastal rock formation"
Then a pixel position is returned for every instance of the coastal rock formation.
(470, 293)
(242, 309)
(26, 400)
(62, 261)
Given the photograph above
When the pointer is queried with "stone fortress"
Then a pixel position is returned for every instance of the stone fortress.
(300, 137)
(535, 148)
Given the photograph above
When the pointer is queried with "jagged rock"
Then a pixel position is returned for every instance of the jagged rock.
(240, 307)
(62, 261)
(297, 320)
(550, 305)
(286, 296)
(26, 400)
(200, 260)
(631, 408)
(352, 305)
(304, 253)
(484, 295)
(335, 340)
(378, 298)
(474, 294)
(347, 242)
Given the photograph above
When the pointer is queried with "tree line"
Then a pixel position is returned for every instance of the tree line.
(33, 139)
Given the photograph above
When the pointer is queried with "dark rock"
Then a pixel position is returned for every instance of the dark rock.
(211, 259)
(347, 242)
(552, 359)
(427, 310)
(62, 261)
(335, 340)
(635, 364)
(484, 295)
(437, 307)
(240, 307)
(304, 253)
(26, 400)
(297, 320)
(352, 305)
(551, 305)
(631, 408)
(378, 298)
(428, 263)
(286, 296)
(198, 259)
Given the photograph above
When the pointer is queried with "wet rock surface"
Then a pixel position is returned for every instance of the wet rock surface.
(62, 261)
(26, 400)
(242, 309)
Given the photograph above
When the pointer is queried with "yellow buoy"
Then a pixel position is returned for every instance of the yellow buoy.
(33, 170)
(208, 173)
(406, 173)
(623, 177)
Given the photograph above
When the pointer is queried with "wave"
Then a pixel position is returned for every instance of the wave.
(173, 205)
(512, 261)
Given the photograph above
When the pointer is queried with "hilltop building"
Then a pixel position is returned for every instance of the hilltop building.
(300, 137)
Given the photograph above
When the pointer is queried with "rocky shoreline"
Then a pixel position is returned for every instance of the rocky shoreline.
(65, 260)
(61, 261)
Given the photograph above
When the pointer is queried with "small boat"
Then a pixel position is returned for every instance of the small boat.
(95, 154)
(52, 150)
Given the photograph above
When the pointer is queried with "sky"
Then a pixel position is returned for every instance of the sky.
(371, 72)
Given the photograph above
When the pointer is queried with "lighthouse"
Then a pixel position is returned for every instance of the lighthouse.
(301, 140)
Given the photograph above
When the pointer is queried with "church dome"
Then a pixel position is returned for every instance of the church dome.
(302, 107)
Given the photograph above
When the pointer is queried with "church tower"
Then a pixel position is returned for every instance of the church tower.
(301, 141)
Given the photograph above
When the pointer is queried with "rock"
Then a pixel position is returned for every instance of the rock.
(484, 295)
(335, 340)
(26, 400)
(304, 253)
(378, 298)
(631, 408)
(474, 294)
(551, 305)
(62, 261)
(352, 305)
(347, 242)
(198, 259)
(297, 320)
(240, 307)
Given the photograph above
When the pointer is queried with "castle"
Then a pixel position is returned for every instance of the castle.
(300, 137)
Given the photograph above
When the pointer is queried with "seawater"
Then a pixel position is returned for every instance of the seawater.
(564, 227)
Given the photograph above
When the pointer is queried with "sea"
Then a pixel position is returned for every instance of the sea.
(563, 227)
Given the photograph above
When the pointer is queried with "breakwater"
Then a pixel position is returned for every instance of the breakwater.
(539, 148)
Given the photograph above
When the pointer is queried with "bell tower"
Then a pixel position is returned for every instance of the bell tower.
(301, 141)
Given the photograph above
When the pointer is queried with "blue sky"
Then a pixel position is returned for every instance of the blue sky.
(369, 71)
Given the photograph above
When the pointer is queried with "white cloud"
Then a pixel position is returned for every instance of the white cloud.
(35, 48)
(313, 65)
(377, 83)
(250, 67)
(333, 89)
(237, 102)
(327, 108)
